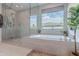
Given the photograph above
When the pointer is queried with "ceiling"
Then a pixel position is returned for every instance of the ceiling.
(22, 6)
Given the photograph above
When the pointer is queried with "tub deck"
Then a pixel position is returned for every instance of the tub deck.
(11, 50)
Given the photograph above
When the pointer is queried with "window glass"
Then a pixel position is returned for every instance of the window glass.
(53, 20)
(33, 22)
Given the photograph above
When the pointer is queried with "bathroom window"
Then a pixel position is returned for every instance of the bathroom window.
(53, 20)
(33, 22)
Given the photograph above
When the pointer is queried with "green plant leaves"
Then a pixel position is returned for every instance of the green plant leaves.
(74, 16)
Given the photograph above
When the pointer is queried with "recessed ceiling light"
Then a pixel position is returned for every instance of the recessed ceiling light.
(17, 6)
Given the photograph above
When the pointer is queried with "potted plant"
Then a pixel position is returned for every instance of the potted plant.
(73, 23)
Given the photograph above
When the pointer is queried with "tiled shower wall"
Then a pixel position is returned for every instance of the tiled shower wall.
(10, 27)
